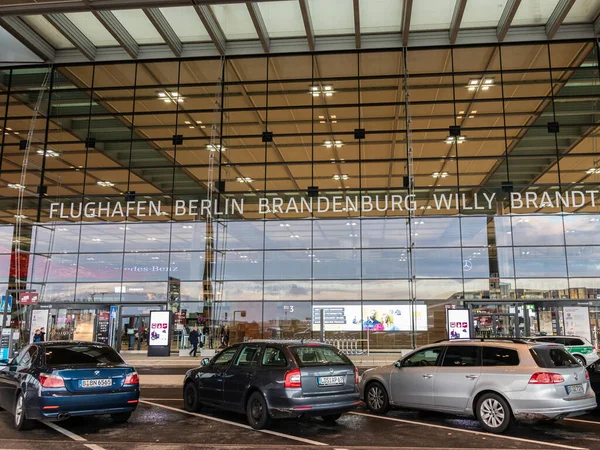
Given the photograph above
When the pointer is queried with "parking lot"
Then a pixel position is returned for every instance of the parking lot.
(160, 422)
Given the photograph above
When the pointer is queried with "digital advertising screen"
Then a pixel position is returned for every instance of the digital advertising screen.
(370, 318)
(159, 328)
(459, 324)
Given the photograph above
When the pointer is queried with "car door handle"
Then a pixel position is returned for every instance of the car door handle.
(428, 375)
(472, 377)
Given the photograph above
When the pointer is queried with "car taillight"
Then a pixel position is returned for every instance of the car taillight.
(587, 375)
(49, 380)
(356, 380)
(132, 378)
(546, 378)
(292, 379)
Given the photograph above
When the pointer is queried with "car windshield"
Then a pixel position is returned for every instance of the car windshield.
(552, 357)
(88, 354)
(319, 356)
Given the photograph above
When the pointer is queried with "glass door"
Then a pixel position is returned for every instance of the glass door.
(135, 326)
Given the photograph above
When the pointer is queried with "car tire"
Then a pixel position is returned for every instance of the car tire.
(257, 412)
(120, 417)
(494, 413)
(21, 422)
(191, 402)
(376, 398)
(581, 360)
(331, 418)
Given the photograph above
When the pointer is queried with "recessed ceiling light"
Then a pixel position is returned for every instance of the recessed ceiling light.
(47, 152)
(187, 122)
(342, 176)
(439, 174)
(244, 180)
(198, 121)
(16, 186)
(105, 183)
(215, 147)
(20, 216)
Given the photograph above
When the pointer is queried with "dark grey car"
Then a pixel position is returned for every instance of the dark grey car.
(275, 379)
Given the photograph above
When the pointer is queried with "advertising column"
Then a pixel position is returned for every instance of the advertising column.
(159, 342)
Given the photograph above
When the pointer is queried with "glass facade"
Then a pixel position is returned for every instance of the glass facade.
(243, 191)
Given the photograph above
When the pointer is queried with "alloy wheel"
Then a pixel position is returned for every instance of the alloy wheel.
(375, 397)
(19, 410)
(492, 413)
(256, 410)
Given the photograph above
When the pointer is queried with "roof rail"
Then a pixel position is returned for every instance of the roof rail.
(491, 339)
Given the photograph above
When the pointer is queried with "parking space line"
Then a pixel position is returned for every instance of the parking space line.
(240, 425)
(72, 435)
(481, 433)
(583, 421)
(162, 399)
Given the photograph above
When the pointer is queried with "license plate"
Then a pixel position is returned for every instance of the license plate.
(95, 383)
(575, 389)
(331, 381)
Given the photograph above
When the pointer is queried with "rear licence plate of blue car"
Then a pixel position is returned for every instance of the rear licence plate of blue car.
(331, 381)
(95, 383)
(574, 389)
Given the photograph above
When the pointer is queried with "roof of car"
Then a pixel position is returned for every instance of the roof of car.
(285, 342)
(551, 337)
(488, 342)
(50, 343)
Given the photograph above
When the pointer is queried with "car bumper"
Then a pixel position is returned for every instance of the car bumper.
(290, 407)
(553, 408)
(57, 406)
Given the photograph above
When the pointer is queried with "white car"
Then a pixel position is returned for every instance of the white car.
(581, 348)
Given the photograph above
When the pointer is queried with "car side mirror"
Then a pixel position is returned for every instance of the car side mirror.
(205, 362)
(398, 364)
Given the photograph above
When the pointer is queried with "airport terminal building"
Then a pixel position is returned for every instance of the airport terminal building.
(247, 165)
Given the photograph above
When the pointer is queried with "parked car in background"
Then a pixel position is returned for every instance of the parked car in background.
(496, 381)
(57, 380)
(275, 380)
(581, 348)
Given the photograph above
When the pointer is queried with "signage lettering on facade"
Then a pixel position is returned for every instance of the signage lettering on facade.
(336, 204)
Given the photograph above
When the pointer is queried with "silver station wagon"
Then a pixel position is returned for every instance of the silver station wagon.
(497, 381)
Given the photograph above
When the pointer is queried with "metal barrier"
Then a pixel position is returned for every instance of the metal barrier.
(350, 346)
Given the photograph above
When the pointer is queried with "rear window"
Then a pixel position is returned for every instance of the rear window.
(553, 357)
(574, 342)
(81, 354)
(319, 356)
(495, 356)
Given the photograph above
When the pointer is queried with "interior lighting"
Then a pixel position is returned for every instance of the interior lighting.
(244, 180)
(170, 97)
(215, 148)
(336, 144)
(593, 170)
(20, 216)
(452, 139)
(476, 84)
(342, 176)
(105, 183)
(439, 174)
(16, 186)
(48, 152)
(318, 90)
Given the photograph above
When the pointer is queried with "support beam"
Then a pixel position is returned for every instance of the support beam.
(119, 32)
(597, 25)
(357, 22)
(558, 16)
(28, 37)
(507, 17)
(459, 11)
(406, 13)
(73, 34)
(212, 26)
(259, 24)
(165, 30)
(310, 35)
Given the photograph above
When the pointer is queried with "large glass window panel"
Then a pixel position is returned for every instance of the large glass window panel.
(287, 320)
(537, 230)
(64, 238)
(286, 265)
(244, 320)
(243, 235)
(439, 289)
(336, 233)
(107, 237)
(474, 231)
(100, 267)
(336, 290)
(57, 292)
(584, 287)
(242, 290)
(438, 263)
(188, 265)
(146, 267)
(6, 238)
(385, 290)
(189, 236)
(148, 237)
(548, 288)
(98, 292)
(503, 231)
(540, 262)
(143, 292)
(336, 264)
(287, 290)
(288, 234)
(384, 233)
(242, 265)
(476, 262)
(583, 261)
(437, 232)
(585, 229)
(384, 264)
(61, 268)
